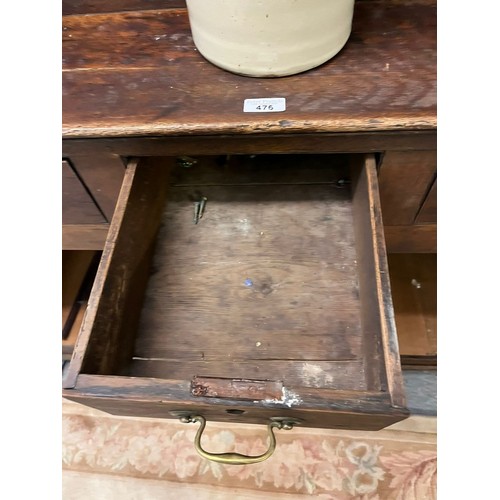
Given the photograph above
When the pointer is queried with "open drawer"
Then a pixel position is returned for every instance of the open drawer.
(274, 306)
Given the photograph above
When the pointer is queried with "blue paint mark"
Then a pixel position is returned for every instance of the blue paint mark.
(248, 282)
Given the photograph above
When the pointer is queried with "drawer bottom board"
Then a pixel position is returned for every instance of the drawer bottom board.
(263, 287)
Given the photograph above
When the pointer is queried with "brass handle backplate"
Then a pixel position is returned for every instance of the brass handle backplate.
(237, 458)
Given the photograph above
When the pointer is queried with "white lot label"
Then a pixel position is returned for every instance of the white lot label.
(269, 105)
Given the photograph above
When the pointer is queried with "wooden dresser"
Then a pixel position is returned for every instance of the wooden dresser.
(136, 92)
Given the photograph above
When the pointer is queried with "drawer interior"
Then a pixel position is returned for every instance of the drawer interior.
(276, 281)
(264, 286)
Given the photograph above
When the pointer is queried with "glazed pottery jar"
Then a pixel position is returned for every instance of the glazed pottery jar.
(269, 38)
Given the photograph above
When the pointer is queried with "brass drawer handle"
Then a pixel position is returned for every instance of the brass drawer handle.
(236, 458)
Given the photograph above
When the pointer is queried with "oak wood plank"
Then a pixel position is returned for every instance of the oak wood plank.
(153, 38)
(74, 269)
(404, 180)
(262, 169)
(157, 398)
(411, 239)
(103, 175)
(217, 387)
(150, 389)
(414, 286)
(68, 343)
(269, 272)
(106, 338)
(355, 142)
(138, 73)
(428, 212)
(84, 236)
(147, 102)
(313, 417)
(338, 375)
(78, 207)
(74, 7)
(375, 291)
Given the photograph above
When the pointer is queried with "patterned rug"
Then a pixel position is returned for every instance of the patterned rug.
(110, 458)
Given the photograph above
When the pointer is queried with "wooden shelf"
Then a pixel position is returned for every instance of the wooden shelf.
(138, 73)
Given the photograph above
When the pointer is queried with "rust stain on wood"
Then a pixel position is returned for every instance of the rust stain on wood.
(236, 388)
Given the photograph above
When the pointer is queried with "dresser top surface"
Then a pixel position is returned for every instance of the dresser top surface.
(138, 74)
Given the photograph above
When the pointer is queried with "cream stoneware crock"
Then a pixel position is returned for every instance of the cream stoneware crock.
(269, 38)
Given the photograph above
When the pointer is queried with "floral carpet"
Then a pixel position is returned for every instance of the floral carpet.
(109, 458)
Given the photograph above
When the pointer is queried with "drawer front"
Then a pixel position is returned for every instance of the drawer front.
(428, 212)
(102, 175)
(78, 206)
(84, 226)
(275, 302)
(408, 200)
(91, 183)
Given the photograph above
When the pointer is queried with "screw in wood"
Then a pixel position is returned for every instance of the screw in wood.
(196, 212)
(202, 207)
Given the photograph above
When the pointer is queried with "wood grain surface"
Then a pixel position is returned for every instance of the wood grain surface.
(414, 286)
(78, 206)
(405, 179)
(138, 73)
(346, 142)
(155, 398)
(108, 329)
(428, 211)
(74, 269)
(103, 176)
(343, 375)
(418, 238)
(269, 273)
(72, 7)
(375, 289)
(68, 343)
(84, 236)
